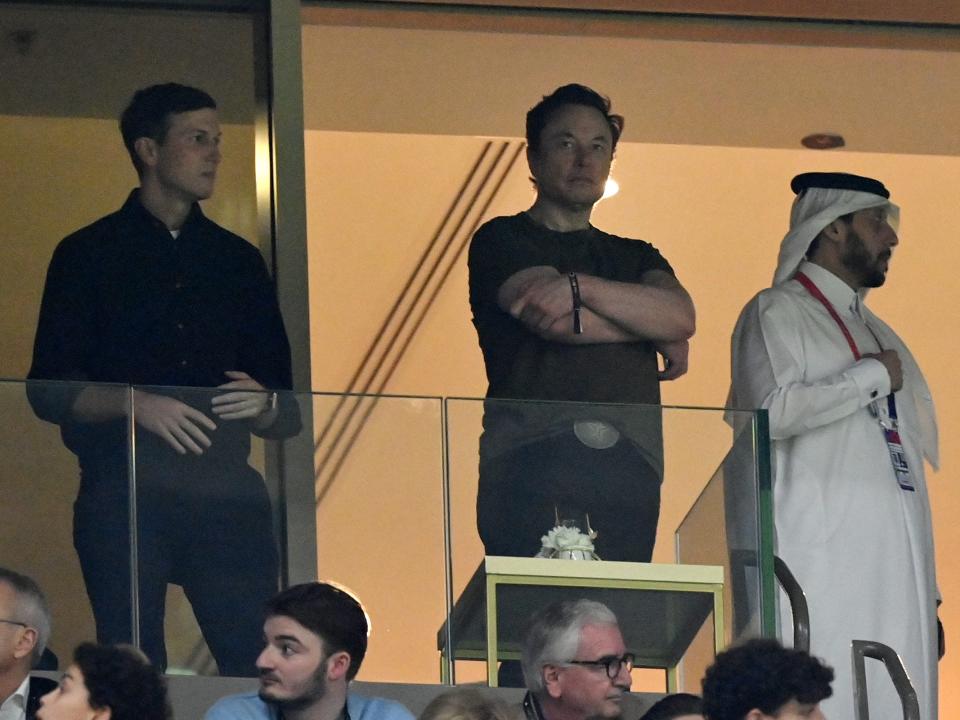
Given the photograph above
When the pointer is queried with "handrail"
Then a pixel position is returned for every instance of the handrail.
(862, 649)
(798, 604)
(798, 600)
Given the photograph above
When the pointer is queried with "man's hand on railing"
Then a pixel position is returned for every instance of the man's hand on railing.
(248, 400)
(179, 425)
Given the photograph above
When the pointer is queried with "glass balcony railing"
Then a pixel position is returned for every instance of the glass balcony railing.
(523, 467)
(41, 485)
(179, 515)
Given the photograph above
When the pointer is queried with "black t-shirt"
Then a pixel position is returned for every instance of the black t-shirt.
(521, 365)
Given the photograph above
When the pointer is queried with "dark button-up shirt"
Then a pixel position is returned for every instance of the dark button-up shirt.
(126, 302)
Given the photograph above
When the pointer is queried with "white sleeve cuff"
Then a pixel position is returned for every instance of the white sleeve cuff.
(871, 378)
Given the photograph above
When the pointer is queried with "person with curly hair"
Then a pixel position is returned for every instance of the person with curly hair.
(107, 682)
(761, 679)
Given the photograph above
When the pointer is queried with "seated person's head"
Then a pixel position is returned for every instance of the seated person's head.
(679, 706)
(316, 637)
(26, 617)
(468, 704)
(761, 679)
(107, 682)
(575, 663)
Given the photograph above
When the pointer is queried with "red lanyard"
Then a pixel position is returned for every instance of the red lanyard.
(815, 291)
(891, 433)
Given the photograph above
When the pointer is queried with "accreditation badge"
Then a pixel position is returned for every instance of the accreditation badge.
(899, 459)
(891, 433)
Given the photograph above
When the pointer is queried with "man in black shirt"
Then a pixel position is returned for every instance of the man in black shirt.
(156, 294)
(566, 312)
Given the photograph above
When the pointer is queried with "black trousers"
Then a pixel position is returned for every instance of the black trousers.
(205, 527)
(521, 491)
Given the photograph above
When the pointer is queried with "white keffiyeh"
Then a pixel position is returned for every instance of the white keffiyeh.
(812, 211)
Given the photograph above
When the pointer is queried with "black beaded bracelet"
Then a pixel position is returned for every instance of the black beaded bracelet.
(577, 303)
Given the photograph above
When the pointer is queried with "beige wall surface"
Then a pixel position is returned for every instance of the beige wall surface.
(887, 10)
(716, 213)
(60, 174)
(720, 89)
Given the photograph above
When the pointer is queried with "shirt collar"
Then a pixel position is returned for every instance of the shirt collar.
(843, 298)
(533, 226)
(344, 714)
(134, 208)
(19, 697)
(531, 707)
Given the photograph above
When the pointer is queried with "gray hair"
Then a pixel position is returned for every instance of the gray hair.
(554, 635)
(30, 607)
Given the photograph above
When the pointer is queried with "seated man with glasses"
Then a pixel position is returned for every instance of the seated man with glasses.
(24, 631)
(575, 663)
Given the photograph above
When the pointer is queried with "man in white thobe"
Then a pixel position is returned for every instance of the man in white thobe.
(851, 509)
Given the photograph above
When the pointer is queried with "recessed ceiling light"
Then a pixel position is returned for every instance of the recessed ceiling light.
(823, 141)
(611, 188)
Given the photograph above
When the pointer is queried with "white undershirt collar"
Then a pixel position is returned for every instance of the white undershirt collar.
(14, 707)
(843, 298)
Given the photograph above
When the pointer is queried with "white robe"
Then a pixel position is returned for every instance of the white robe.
(860, 547)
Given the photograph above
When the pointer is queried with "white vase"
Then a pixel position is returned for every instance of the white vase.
(575, 555)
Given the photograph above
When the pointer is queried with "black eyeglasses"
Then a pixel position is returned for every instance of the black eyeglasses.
(13, 622)
(611, 663)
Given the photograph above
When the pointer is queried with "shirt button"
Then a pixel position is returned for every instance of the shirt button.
(183, 363)
(179, 326)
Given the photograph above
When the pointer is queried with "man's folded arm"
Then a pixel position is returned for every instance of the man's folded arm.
(657, 308)
(541, 298)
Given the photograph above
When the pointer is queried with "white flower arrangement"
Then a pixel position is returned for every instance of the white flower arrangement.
(568, 542)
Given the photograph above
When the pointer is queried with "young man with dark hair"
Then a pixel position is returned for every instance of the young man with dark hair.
(24, 632)
(156, 294)
(149, 114)
(566, 312)
(761, 679)
(316, 637)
